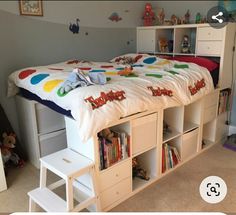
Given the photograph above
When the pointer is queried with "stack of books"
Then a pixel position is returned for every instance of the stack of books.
(224, 101)
(114, 150)
(170, 157)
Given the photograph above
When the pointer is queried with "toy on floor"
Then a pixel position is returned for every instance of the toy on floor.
(138, 171)
(148, 15)
(7, 146)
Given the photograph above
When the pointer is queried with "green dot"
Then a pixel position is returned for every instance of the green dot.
(154, 75)
(108, 78)
(61, 94)
(181, 66)
(131, 75)
(173, 72)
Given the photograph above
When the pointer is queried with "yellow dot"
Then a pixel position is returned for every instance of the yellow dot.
(50, 85)
(111, 73)
(163, 62)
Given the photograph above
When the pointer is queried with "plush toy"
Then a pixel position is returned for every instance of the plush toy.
(185, 45)
(125, 71)
(138, 171)
(163, 45)
(7, 146)
(107, 134)
(148, 15)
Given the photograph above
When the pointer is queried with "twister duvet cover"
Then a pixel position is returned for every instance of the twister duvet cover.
(152, 83)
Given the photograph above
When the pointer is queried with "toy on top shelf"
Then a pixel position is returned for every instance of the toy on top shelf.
(148, 16)
(198, 18)
(161, 17)
(185, 45)
(187, 18)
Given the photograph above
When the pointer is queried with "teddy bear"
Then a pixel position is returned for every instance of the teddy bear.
(7, 146)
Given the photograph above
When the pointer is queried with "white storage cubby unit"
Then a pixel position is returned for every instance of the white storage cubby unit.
(42, 130)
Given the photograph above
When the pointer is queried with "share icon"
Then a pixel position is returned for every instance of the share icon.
(215, 17)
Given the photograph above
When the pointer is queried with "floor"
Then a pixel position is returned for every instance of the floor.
(178, 191)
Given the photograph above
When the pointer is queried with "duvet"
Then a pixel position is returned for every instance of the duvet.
(151, 84)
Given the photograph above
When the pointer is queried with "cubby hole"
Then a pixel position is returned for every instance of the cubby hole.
(172, 123)
(208, 134)
(179, 36)
(168, 36)
(192, 116)
(171, 154)
(114, 145)
(144, 164)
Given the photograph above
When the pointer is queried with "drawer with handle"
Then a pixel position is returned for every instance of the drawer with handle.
(114, 174)
(209, 33)
(209, 48)
(116, 192)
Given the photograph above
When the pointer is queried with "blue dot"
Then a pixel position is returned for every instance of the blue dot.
(150, 60)
(120, 68)
(38, 78)
(137, 65)
(97, 70)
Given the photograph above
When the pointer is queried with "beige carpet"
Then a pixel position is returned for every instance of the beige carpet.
(177, 191)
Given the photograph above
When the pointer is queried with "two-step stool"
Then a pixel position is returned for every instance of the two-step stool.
(69, 165)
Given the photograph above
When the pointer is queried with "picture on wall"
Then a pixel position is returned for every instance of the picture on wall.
(31, 8)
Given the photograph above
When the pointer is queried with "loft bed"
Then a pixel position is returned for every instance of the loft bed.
(179, 101)
(148, 74)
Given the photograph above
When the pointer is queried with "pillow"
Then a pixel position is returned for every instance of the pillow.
(201, 61)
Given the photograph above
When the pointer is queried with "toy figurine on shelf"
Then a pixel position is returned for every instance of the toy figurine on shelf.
(148, 15)
(198, 18)
(163, 45)
(175, 20)
(185, 45)
(187, 18)
(161, 17)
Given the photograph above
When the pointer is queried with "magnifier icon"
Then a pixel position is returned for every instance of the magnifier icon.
(213, 190)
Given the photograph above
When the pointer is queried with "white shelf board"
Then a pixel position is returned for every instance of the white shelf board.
(164, 53)
(171, 135)
(138, 183)
(188, 126)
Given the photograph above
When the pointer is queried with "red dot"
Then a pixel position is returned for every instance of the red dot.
(24, 74)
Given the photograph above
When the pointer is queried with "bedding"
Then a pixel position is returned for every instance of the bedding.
(150, 84)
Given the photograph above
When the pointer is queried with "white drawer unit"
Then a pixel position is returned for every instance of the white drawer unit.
(144, 132)
(209, 33)
(112, 176)
(116, 192)
(189, 144)
(52, 142)
(48, 120)
(209, 48)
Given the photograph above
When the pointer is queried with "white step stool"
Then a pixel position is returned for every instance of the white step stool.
(69, 165)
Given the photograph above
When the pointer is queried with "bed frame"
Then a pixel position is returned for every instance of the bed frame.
(44, 131)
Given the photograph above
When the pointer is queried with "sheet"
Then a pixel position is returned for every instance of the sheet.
(154, 83)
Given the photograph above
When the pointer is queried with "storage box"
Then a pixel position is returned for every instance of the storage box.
(189, 144)
(144, 133)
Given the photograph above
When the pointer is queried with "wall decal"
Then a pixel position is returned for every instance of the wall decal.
(115, 17)
(31, 8)
(74, 28)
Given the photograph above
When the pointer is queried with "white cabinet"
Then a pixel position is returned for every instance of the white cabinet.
(146, 40)
(42, 129)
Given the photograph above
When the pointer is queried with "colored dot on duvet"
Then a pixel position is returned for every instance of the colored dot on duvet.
(150, 60)
(24, 74)
(97, 70)
(50, 85)
(38, 78)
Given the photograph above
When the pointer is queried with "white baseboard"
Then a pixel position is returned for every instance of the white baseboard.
(232, 129)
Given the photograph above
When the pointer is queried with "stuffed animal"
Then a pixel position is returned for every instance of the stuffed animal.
(148, 15)
(185, 45)
(7, 146)
(163, 45)
(125, 71)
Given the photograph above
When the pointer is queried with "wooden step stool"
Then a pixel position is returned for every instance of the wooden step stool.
(69, 165)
